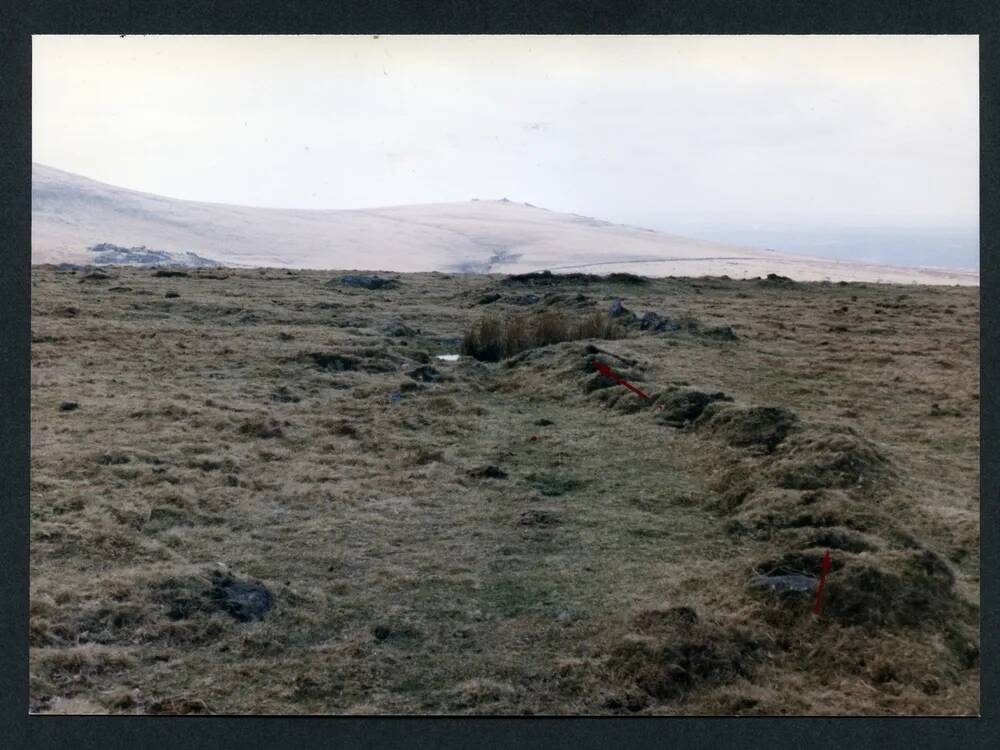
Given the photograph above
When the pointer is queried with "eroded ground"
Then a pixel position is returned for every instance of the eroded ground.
(514, 537)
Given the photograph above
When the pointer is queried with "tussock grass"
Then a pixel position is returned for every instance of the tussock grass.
(493, 338)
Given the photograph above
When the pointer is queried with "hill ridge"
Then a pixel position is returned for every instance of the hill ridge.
(71, 213)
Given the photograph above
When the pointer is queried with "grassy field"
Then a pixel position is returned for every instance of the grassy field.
(511, 537)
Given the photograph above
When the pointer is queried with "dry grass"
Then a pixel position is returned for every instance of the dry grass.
(264, 428)
(493, 338)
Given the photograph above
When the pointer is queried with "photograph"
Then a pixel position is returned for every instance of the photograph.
(504, 375)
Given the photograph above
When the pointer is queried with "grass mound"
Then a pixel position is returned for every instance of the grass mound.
(624, 401)
(494, 338)
(908, 588)
(832, 538)
(829, 456)
(547, 278)
(626, 278)
(675, 651)
(759, 427)
(684, 405)
(776, 281)
(770, 509)
(812, 487)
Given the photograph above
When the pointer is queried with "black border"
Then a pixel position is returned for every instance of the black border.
(21, 18)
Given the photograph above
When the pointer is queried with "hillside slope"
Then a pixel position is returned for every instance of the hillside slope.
(71, 213)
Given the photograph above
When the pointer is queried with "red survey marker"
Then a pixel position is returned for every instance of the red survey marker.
(822, 582)
(608, 372)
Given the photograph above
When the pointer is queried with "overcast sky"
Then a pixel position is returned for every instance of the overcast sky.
(865, 130)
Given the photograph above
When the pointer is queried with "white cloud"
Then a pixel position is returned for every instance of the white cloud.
(640, 130)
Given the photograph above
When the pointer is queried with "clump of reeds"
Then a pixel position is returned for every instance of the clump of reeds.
(493, 338)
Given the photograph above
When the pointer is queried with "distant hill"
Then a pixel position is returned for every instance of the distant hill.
(71, 214)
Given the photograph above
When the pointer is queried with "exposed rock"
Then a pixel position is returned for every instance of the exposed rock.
(397, 328)
(69, 406)
(96, 275)
(488, 299)
(109, 254)
(488, 472)
(783, 584)
(652, 321)
(425, 374)
(526, 299)
(618, 310)
(579, 301)
(368, 282)
(243, 601)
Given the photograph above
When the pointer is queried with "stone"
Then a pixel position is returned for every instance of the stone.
(397, 328)
(425, 374)
(368, 282)
(791, 583)
(243, 601)
(488, 472)
(618, 310)
(96, 275)
(722, 333)
(652, 321)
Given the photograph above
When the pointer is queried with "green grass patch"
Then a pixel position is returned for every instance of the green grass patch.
(515, 596)
(556, 486)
